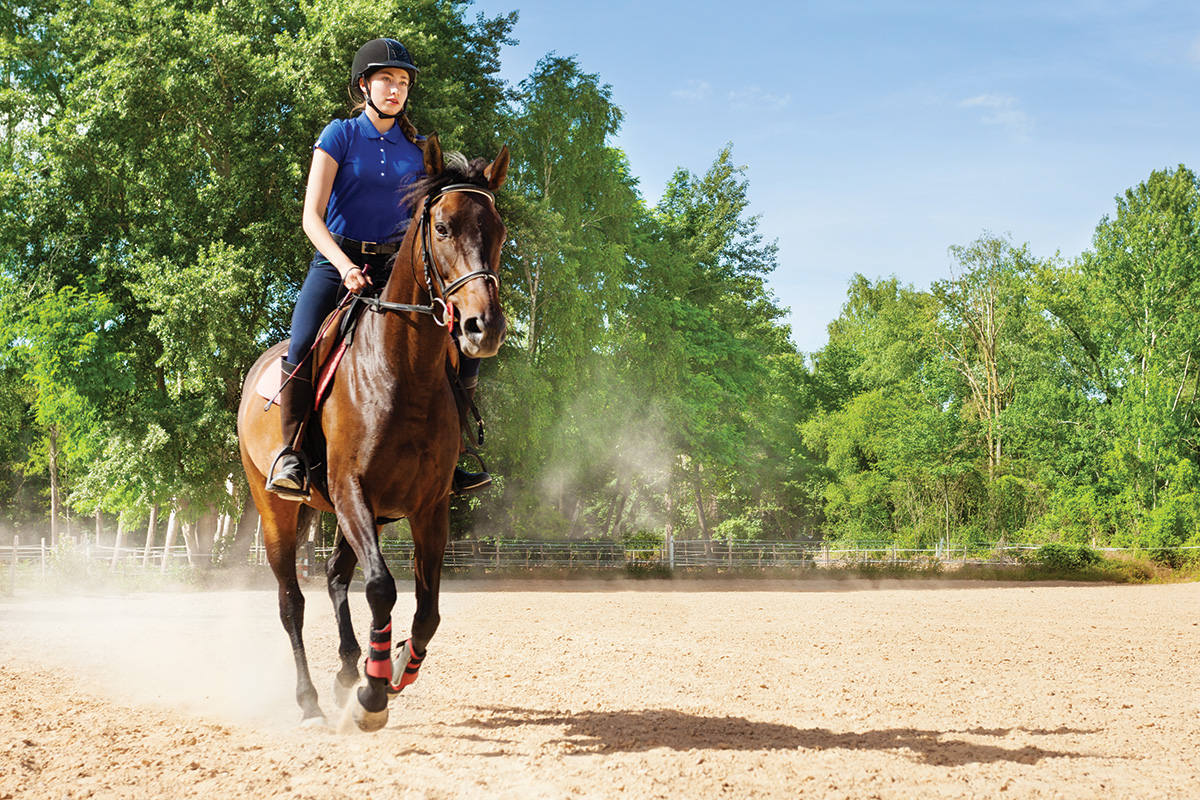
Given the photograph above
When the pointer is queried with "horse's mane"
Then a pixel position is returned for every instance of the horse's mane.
(455, 169)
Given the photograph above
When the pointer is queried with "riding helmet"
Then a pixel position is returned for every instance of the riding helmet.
(377, 54)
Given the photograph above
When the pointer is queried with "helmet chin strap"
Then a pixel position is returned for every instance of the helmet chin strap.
(371, 103)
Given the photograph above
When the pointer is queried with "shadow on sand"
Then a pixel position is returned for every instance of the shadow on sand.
(635, 731)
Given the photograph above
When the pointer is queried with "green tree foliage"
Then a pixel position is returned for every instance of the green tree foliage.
(704, 338)
(1146, 262)
(1025, 397)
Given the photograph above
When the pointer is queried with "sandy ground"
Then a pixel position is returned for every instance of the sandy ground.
(641, 690)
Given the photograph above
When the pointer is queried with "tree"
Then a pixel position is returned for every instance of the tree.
(61, 344)
(899, 453)
(1142, 322)
(703, 327)
(569, 206)
(980, 315)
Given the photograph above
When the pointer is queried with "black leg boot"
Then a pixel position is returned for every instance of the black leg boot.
(469, 481)
(289, 473)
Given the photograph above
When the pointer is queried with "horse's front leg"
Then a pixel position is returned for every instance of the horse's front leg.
(430, 532)
(340, 571)
(357, 522)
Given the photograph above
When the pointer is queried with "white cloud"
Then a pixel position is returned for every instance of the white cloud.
(695, 90)
(756, 99)
(1002, 110)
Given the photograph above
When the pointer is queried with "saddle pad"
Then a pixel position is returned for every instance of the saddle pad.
(269, 381)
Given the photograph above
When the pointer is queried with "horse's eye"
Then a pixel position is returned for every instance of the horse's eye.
(441, 229)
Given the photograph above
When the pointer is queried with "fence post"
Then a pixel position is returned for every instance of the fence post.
(12, 587)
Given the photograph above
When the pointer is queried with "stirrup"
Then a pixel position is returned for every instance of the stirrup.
(290, 492)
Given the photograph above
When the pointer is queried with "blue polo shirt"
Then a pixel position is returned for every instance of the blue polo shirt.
(374, 170)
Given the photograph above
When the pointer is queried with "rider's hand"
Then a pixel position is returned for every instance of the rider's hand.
(356, 280)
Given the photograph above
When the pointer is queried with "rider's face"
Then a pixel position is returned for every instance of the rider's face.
(389, 89)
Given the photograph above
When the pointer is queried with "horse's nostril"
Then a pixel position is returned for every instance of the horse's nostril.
(471, 326)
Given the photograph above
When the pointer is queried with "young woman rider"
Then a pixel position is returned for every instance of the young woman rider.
(353, 217)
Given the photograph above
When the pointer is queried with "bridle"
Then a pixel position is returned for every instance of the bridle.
(432, 273)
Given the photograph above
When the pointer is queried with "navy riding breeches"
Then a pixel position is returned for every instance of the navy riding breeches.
(320, 294)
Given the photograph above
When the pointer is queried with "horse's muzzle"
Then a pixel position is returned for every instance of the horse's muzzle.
(481, 335)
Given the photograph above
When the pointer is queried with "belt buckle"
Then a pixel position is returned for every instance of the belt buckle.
(367, 248)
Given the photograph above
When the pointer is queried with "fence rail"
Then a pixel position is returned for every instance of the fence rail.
(503, 554)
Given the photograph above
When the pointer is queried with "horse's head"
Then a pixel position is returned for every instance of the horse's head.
(461, 236)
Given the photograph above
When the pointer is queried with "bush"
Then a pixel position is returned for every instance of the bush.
(1170, 527)
(1067, 557)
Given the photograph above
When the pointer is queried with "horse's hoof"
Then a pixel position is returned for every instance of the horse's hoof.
(314, 722)
(370, 721)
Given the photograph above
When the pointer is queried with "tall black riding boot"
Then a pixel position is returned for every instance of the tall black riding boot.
(469, 481)
(289, 473)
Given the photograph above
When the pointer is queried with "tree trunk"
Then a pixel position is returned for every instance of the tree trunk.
(203, 537)
(188, 529)
(612, 522)
(53, 485)
(118, 542)
(701, 516)
(669, 528)
(99, 526)
(620, 510)
(150, 526)
(243, 535)
(172, 528)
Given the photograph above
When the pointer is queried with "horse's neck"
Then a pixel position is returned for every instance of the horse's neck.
(407, 344)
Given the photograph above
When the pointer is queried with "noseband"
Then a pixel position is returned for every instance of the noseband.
(432, 273)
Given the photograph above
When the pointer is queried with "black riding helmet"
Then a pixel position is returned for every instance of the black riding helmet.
(378, 54)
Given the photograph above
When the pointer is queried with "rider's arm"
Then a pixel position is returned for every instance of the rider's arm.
(316, 198)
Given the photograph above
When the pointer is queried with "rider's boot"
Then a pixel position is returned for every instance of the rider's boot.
(289, 473)
(469, 481)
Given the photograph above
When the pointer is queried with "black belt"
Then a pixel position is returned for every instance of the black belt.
(367, 248)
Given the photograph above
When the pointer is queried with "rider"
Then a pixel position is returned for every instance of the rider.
(353, 218)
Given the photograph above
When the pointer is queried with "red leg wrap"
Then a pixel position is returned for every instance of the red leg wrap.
(411, 668)
(379, 657)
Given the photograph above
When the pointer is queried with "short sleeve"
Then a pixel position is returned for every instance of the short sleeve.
(334, 140)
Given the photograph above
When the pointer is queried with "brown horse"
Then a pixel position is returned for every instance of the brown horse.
(392, 428)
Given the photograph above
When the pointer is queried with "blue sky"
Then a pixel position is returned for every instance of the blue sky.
(876, 134)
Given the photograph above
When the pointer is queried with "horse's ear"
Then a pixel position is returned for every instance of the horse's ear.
(433, 155)
(497, 171)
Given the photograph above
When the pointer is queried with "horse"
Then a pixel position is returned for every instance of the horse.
(393, 430)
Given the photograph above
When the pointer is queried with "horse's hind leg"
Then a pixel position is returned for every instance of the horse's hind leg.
(340, 571)
(280, 519)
